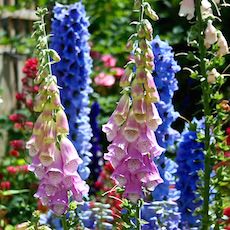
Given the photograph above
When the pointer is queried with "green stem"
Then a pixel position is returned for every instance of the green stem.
(138, 214)
(141, 16)
(47, 46)
(64, 222)
(207, 112)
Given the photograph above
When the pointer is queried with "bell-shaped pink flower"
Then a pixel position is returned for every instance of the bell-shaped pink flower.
(110, 129)
(131, 128)
(59, 202)
(62, 122)
(47, 154)
(137, 90)
(223, 45)
(139, 109)
(49, 132)
(153, 118)
(133, 190)
(69, 154)
(187, 9)
(121, 112)
(210, 35)
(79, 188)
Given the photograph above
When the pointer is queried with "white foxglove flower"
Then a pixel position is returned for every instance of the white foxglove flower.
(206, 9)
(187, 9)
(210, 35)
(212, 76)
(223, 45)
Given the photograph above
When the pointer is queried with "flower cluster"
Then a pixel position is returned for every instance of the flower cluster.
(166, 83)
(106, 70)
(131, 126)
(160, 215)
(29, 88)
(97, 160)
(55, 160)
(70, 40)
(164, 76)
(190, 159)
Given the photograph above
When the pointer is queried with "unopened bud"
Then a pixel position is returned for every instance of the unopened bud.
(150, 12)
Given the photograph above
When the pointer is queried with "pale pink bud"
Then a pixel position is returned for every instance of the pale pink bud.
(62, 122)
(153, 118)
(125, 80)
(137, 90)
(210, 35)
(110, 129)
(122, 110)
(149, 56)
(40, 100)
(141, 75)
(131, 129)
(152, 97)
(50, 132)
(31, 145)
(206, 9)
(212, 76)
(69, 154)
(187, 9)
(149, 83)
(139, 109)
(223, 45)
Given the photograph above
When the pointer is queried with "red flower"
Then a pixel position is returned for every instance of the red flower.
(5, 185)
(30, 68)
(11, 170)
(20, 96)
(29, 124)
(98, 184)
(118, 72)
(109, 60)
(17, 144)
(29, 103)
(14, 153)
(17, 117)
(226, 212)
(18, 126)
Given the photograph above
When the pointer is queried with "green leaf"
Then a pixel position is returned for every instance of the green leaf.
(13, 192)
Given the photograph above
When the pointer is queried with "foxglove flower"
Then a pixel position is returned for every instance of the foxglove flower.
(54, 157)
(70, 40)
(166, 83)
(190, 159)
(187, 9)
(130, 128)
(210, 34)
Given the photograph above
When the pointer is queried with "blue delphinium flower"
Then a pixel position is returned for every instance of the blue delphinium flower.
(190, 159)
(164, 76)
(160, 215)
(70, 40)
(97, 159)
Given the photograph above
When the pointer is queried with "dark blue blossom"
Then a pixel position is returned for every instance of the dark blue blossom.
(164, 76)
(160, 215)
(70, 40)
(97, 158)
(190, 159)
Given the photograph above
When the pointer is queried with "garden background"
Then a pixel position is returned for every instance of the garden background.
(109, 31)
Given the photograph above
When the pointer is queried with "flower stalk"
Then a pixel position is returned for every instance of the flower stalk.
(207, 112)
